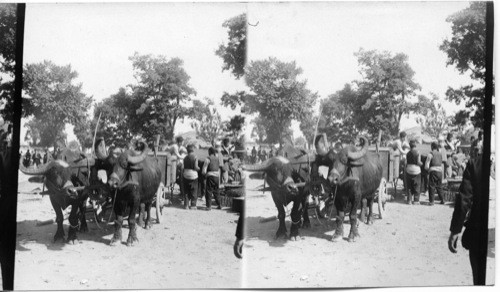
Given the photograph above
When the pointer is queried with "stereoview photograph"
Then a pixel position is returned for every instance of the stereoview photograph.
(130, 173)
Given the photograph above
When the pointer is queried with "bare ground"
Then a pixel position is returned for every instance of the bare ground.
(188, 249)
(408, 247)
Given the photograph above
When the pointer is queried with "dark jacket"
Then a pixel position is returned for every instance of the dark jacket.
(468, 200)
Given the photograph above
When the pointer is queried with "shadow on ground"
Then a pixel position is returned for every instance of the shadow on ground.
(28, 233)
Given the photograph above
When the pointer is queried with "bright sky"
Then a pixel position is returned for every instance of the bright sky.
(98, 39)
(323, 37)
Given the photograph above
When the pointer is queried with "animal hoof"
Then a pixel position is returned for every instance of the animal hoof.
(295, 238)
(336, 237)
(370, 222)
(132, 240)
(280, 234)
(72, 241)
(59, 236)
(147, 226)
(115, 241)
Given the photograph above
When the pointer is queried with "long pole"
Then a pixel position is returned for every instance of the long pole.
(317, 124)
(95, 132)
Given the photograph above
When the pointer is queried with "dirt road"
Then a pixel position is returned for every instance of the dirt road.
(408, 247)
(189, 249)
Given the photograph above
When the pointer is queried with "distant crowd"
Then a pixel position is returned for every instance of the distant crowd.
(423, 173)
(221, 167)
(260, 155)
(35, 158)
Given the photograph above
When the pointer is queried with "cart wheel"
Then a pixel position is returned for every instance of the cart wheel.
(382, 197)
(159, 203)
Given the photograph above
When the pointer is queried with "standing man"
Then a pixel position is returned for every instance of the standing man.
(479, 143)
(434, 164)
(467, 213)
(190, 178)
(240, 234)
(401, 148)
(176, 148)
(226, 150)
(413, 163)
(450, 145)
(211, 170)
(254, 155)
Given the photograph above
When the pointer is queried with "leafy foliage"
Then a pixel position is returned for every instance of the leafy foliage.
(233, 100)
(308, 126)
(433, 119)
(467, 52)
(384, 91)
(53, 100)
(235, 125)
(207, 121)
(8, 22)
(277, 96)
(160, 95)
(233, 53)
(338, 119)
(259, 130)
(300, 142)
(116, 119)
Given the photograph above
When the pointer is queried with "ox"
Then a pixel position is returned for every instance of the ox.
(354, 176)
(69, 170)
(136, 178)
(284, 180)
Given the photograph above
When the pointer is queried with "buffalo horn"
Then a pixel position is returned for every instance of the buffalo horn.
(358, 154)
(87, 161)
(40, 170)
(320, 143)
(139, 158)
(266, 164)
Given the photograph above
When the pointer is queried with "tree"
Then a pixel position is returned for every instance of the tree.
(300, 142)
(308, 126)
(338, 120)
(233, 53)
(278, 97)
(8, 22)
(207, 121)
(235, 125)
(53, 100)
(433, 119)
(259, 130)
(117, 112)
(160, 95)
(385, 91)
(467, 52)
(233, 100)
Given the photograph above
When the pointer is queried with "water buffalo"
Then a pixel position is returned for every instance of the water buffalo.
(136, 178)
(70, 169)
(285, 183)
(354, 176)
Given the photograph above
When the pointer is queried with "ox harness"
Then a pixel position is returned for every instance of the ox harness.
(126, 179)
